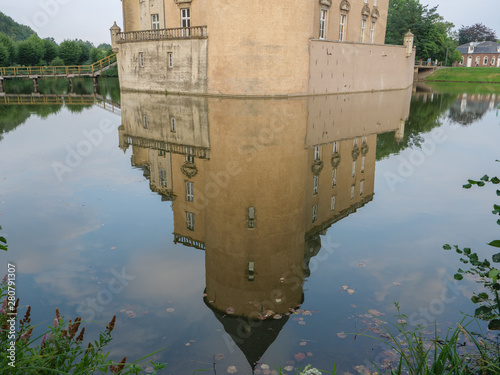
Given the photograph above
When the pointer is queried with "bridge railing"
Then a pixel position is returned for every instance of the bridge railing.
(162, 34)
(76, 70)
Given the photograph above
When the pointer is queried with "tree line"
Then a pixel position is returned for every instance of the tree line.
(35, 51)
(435, 38)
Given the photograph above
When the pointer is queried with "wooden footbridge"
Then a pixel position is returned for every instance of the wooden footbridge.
(36, 72)
(61, 99)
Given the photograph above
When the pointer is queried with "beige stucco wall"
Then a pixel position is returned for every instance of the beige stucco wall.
(257, 47)
(336, 117)
(188, 74)
(339, 67)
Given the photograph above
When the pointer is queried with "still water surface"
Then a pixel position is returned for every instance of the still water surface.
(244, 232)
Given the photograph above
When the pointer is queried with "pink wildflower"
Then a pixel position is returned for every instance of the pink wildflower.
(3, 310)
(56, 322)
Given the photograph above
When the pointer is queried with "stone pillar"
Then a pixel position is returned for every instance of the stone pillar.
(70, 79)
(408, 42)
(115, 30)
(2, 89)
(400, 131)
(35, 83)
(96, 83)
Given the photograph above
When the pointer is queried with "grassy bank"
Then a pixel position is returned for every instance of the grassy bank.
(461, 74)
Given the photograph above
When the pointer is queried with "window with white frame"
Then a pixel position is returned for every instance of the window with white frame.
(173, 125)
(185, 17)
(343, 26)
(353, 168)
(361, 187)
(485, 61)
(322, 23)
(332, 202)
(170, 60)
(334, 177)
(314, 213)
(315, 184)
(141, 59)
(189, 191)
(372, 31)
(163, 177)
(363, 25)
(363, 164)
(477, 60)
(352, 191)
(493, 60)
(317, 155)
(155, 21)
(190, 220)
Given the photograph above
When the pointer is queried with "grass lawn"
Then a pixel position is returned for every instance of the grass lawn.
(461, 74)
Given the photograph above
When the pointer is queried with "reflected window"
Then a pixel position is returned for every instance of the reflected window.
(314, 213)
(332, 203)
(363, 164)
(141, 59)
(315, 184)
(317, 155)
(361, 187)
(354, 168)
(190, 220)
(322, 24)
(163, 177)
(155, 21)
(334, 177)
(172, 125)
(145, 123)
(352, 191)
(335, 147)
(251, 217)
(189, 191)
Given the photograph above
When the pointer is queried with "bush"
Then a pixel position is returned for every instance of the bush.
(57, 62)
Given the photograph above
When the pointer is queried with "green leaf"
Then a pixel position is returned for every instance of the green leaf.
(457, 276)
(2, 239)
(448, 247)
(480, 183)
(495, 180)
(493, 274)
(495, 243)
(467, 250)
(496, 258)
(467, 186)
(483, 296)
(498, 221)
(494, 325)
(485, 178)
(483, 312)
(498, 193)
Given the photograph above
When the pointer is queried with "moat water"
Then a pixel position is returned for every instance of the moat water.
(240, 234)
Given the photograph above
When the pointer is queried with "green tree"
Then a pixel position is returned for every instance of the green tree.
(51, 49)
(13, 29)
(4, 56)
(478, 31)
(86, 47)
(57, 62)
(70, 52)
(9, 44)
(432, 33)
(30, 51)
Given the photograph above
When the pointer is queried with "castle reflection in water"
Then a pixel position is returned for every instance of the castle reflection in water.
(254, 183)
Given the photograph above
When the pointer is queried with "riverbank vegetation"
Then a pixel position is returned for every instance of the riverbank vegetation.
(464, 74)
